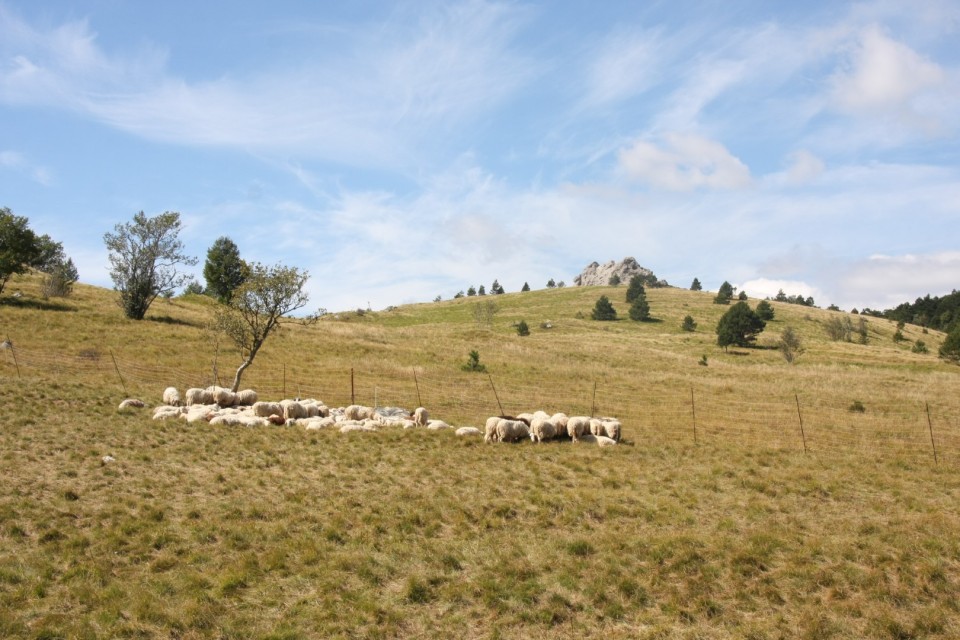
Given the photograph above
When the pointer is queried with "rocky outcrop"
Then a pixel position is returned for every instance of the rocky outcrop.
(599, 274)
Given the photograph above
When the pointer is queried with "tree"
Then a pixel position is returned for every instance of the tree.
(259, 306)
(19, 246)
(224, 270)
(635, 288)
(458, 295)
(471, 291)
(603, 309)
(739, 326)
(724, 294)
(496, 288)
(561, 284)
(614, 280)
(525, 287)
(473, 363)
(689, 324)
(742, 296)
(839, 329)
(765, 311)
(483, 312)
(640, 309)
(696, 286)
(523, 329)
(59, 272)
(950, 349)
(789, 345)
(144, 255)
(481, 291)
(551, 284)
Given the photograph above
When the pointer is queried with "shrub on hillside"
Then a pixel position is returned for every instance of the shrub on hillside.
(603, 309)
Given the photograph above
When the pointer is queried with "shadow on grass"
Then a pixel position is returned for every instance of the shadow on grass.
(171, 320)
(32, 303)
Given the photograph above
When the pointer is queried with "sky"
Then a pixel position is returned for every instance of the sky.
(400, 151)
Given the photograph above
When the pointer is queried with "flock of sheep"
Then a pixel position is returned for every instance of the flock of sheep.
(220, 406)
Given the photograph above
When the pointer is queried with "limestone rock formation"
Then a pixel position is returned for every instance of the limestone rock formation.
(599, 274)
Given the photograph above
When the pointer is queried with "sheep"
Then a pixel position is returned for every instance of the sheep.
(293, 410)
(542, 429)
(267, 409)
(277, 419)
(437, 425)
(596, 426)
(611, 428)
(171, 397)
(351, 413)
(356, 426)
(512, 430)
(421, 417)
(602, 441)
(315, 424)
(490, 430)
(578, 426)
(194, 396)
(131, 403)
(165, 412)
(525, 418)
(247, 397)
(222, 396)
(199, 412)
(559, 420)
(468, 431)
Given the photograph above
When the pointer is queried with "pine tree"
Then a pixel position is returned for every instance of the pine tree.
(614, 280)
(603, 310)
(224, 270)
(526, 287)
(689, 324)
(696, 286)
(635, 288)
(523, 329)
(551, 284)
(725, 294)
(765, 311)
(471, 291)
(481, 291)
(950, 349)
(640, 309)
(739, 326)
(496, 289)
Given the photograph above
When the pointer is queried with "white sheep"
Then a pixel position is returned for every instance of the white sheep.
(352, 426)
(559, 420)
(267, 409)
(293, 410)
(526, 418)
(171, 397)
(437, 425)
(222, 396)
(165, 412)
(468, 431)
(578, 426)
(602, 441)
(194, 396)
(611, 428)
(512, 430)
(542, 429)
(490, 429)
(421, 417)
(315, 424)
(352, 412)
(596, 426)
(131, 403)
(246, 397)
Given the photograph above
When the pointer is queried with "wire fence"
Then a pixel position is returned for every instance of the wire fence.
(903, 427)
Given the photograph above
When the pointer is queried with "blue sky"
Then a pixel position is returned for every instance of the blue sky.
(400, 151)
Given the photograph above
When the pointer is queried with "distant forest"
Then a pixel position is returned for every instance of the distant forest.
(934, 312)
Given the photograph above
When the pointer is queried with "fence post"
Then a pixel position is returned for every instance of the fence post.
(800, 417)
(14, 353)
(593, 402)
(417, 383)
(495, 395)
(117, 367)
(693, 411)
(283, 392)
(352, 390)
(932, 443)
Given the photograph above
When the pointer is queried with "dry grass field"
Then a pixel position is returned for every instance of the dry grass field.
(212, 532)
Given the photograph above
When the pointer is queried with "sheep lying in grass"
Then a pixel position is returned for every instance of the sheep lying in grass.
(131, 403)
(293, 410)
(198, 396)
(437, 425)
(171, 397)
(167, 412)
(602, 441)
(468, 431)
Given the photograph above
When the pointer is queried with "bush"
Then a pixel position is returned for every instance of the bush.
(614, 280)
(919, 347)
(857, 407)
(898, 336)
(473, 363)
(789, 345)
(603, 310)
(839, 329)
(640, 309)
(523, 329)
(193, 288)
(689, 324)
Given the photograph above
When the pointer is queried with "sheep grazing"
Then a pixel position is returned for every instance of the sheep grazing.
(525, 418)
(490, 430)
(194, 396)
(246, 398)
(222, 396)
(421, 417)
(171, 397)
(559, 420)
(131, 403)
(512, 430)
(542, 429)
(611, 429)
(578, 426)
(468, 431)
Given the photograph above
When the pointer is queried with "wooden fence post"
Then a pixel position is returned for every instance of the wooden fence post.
(117, 367)
(352, 389)
(932, 443)
(14, 353)
(800, 417)
(417, 383)
(693, 411)
(495, 395)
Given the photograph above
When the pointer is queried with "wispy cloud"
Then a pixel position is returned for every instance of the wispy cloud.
(684, 162)
(15, 161)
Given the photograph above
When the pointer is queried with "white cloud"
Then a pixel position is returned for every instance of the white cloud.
(804, 167)
(767, 288)
(684, 162)
(884, 281)
(884, 76)
(15, 161)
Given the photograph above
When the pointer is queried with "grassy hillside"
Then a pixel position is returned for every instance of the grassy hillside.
(206, 532)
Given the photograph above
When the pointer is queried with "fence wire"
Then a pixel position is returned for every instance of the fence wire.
(886, 428)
